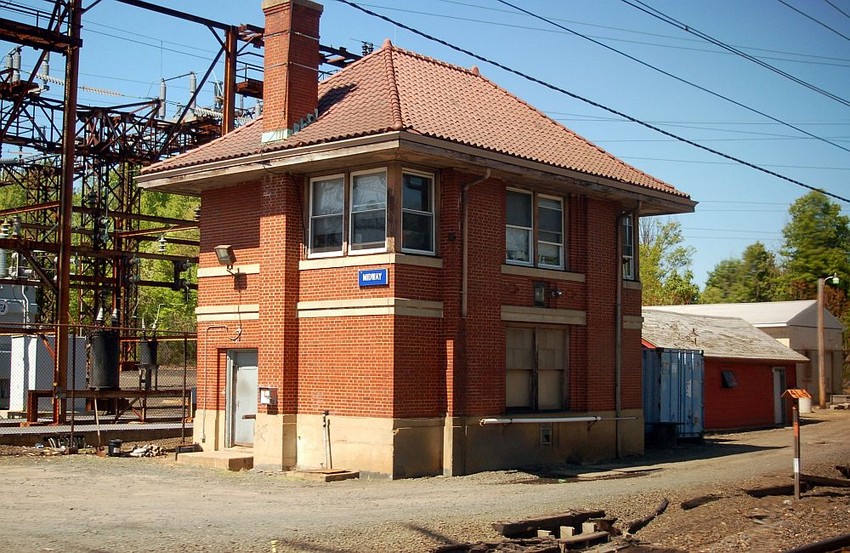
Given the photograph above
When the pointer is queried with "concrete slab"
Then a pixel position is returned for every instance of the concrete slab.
(645, 468)
(324, 475)
(226, 459)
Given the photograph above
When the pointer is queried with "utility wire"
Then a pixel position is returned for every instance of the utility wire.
(586, 100)
(842, 12)
(821, 23)
(631, 31)
(642, 6)
(680, 79)
(611, 39)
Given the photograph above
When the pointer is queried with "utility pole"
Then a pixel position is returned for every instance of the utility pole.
(821, 339)
(66, 198)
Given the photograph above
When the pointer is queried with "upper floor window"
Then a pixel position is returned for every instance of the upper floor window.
(368, 210)
(347, 213)
(629, 248)
(417, 212)
(327, 203)
(534, 233)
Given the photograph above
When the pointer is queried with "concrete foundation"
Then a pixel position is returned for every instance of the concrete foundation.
(407, 448)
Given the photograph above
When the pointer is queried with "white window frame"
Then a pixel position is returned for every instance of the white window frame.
(311, 216)
(352, 248)
(628, 247)
(530, 230)
(534, 240)
(430, 213)
(539, 241)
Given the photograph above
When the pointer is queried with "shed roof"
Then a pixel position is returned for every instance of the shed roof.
(800, 313)
(395, 90)
(719, 337)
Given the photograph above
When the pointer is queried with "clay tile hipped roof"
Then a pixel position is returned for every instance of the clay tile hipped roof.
(396, 90)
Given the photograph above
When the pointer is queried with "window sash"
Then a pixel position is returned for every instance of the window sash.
(417, 213)
(534, 230)
(519, 229)
(628, 248)
(550, 232)
(327, 209)
(368, 226)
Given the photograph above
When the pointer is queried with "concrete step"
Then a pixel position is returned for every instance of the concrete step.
(324, 475)
(226, 459)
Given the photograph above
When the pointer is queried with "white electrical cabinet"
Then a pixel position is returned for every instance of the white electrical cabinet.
(32, 369)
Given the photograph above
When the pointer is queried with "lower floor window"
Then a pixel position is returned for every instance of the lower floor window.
(535, 369)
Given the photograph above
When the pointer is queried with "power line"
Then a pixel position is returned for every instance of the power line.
(689, 29)
(705, 162)
(620, 29)
(608, 38)
(807, 16)
(588, 101)
(839, 10)
(680, 79)
(683, 123)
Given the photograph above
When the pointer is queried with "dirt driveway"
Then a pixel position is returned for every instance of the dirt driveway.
(84, 503)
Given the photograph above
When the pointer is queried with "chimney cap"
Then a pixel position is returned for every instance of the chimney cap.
(270, 4)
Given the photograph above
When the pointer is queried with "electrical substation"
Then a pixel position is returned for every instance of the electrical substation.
(74, 250)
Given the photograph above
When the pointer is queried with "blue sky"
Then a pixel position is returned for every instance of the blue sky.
(128, 50)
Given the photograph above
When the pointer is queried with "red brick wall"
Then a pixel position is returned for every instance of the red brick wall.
(450, 244)
(408, 366)
(225, 220)
(748, 405)
(632, 380)
(485, 332)
(419, 368)
(281, 236)
(603, 270)
(346, 366)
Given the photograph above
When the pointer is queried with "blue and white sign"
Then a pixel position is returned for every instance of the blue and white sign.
(373, 277)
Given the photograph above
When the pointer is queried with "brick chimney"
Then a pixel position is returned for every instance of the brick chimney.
(292, 58)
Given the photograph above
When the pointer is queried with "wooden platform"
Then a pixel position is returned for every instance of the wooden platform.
(118, 401)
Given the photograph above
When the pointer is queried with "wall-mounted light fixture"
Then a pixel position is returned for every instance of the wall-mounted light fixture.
(539, 293)
(555, 293)
(224, 254)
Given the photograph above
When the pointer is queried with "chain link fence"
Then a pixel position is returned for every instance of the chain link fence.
(115, 377)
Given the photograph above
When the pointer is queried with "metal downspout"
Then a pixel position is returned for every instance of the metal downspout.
(204, 377)
(464, 291)
(618, 338)
(618, 327)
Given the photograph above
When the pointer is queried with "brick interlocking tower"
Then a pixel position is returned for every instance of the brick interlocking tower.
(416, 252)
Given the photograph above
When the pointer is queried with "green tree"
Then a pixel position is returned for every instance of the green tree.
(752, 278)
(816, 244)
(168, 309)
(665, 263)
(723, 282)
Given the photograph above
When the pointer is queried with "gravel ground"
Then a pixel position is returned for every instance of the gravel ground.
(86, 503)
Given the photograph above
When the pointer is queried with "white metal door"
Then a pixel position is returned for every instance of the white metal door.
(243, 397)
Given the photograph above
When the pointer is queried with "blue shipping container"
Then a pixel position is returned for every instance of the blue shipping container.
(673, 390)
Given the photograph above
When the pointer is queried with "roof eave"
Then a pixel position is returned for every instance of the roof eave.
(652, 202)
(194, 179)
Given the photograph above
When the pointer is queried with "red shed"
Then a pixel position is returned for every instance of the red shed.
(746, 371)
